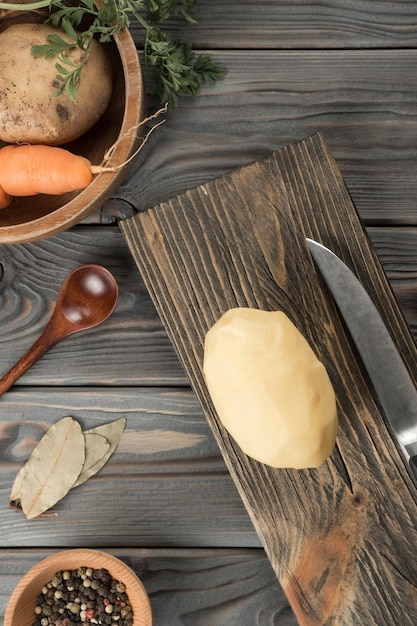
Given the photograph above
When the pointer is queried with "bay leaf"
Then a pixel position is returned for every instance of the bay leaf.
(15, 494)
(96, 446)
(112, 431)
(53, 467)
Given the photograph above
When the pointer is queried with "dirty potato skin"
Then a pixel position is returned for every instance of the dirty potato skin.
(29, 112)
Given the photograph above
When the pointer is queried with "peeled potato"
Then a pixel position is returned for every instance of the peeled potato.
(269, 389)
(29, 110)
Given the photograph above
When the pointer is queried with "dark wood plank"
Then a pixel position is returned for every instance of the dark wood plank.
(397, 250)
(298, 24)
(187, 587)
(345, 529)
(130, 348)
(136, 347)
(363, 101)
(166, 485)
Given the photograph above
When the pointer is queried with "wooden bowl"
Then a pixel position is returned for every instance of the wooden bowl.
(38, 217)
(20, 610)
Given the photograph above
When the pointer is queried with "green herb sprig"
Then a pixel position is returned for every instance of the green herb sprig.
(176, 67)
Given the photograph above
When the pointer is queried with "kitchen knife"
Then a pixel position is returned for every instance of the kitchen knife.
(393, 384)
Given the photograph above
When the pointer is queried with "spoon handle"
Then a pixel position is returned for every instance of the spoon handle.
(45, 341)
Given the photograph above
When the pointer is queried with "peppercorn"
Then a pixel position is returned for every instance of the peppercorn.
(82, 597)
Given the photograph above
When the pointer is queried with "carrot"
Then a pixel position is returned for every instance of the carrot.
(26, 170)
(5, 199)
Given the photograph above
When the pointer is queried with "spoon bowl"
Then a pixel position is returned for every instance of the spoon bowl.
(87, 297)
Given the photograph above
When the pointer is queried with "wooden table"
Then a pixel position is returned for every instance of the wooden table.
(166, 503)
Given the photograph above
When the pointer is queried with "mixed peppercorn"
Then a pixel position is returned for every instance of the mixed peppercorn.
(83, 597)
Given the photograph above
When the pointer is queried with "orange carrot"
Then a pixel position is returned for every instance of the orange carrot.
(5, 199)
(26, 170)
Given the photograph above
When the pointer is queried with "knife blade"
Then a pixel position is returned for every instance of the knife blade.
(387, 371)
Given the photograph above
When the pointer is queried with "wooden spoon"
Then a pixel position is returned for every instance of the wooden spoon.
(87, 297)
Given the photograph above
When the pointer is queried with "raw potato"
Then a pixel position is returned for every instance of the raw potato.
(269, 389)
(29, 112)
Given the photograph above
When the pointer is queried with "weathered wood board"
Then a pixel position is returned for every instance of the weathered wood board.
(244, 24)
(190, 587)
(141, 353)
(362, 100)
(165, 485)
(31, 275)
(339, 537)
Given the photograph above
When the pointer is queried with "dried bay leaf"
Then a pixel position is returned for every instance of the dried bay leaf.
(112, 431)
(65, 457)
(96, 446)
(53, 467)
(15, 494)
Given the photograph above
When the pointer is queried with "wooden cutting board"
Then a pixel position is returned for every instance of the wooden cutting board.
(341, 538)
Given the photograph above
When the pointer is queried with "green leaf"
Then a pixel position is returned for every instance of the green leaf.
(175, 68)
(69, 29)
(207, 69)
(44, 50)
(160, 10)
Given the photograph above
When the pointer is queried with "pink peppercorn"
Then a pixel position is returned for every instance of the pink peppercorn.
(89, 613)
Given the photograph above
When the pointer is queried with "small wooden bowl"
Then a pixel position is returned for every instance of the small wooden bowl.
(20, 610)
(37, 217)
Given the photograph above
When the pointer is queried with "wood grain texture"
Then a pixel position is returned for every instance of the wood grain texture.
(336, 536)
(297, 24)
(86, 299)
(135, 344)
(188, 587)
(347, 68)
(130, 348)
(363, 101)
(166, 484)
(396, 249)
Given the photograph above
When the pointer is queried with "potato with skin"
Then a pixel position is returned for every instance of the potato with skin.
(29, 110)
(270, 391)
